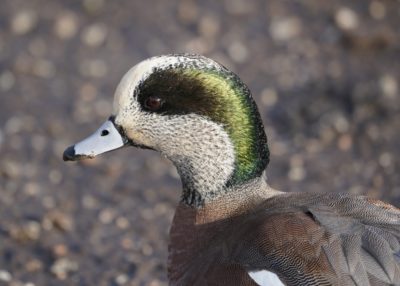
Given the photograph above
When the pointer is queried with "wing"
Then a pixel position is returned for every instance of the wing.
(309, 239)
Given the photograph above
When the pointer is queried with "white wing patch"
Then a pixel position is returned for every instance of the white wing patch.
(265, 278)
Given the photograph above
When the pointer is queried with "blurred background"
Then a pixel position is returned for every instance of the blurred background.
(325, 75)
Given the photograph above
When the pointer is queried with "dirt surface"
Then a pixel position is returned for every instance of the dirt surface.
(325, 75)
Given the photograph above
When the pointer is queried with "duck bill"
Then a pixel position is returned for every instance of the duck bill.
(105, 139)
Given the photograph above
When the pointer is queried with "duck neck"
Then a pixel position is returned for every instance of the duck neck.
(209, 175)
(210, 163)
(207, 186)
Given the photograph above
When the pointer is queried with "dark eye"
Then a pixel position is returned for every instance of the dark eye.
(104, 132)
(153, 103)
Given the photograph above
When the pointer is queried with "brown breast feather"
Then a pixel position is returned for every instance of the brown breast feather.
(306, 239)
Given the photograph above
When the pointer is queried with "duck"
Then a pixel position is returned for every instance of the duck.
(230, 227)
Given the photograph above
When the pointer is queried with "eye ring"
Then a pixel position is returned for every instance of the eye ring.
(153, 103)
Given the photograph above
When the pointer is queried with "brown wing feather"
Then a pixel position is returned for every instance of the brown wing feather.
(314, 239)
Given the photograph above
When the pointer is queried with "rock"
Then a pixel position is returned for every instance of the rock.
(346, 19)
(209, 27)
(106, 216)
(63, 266)
(24, 22)
(284, 29)
(389, 86)
(94, 35)
(93, 6)
(377, 10)
(34, 265)
(29, 231)
(386, 159)
(7, 80)
(66, 25)
(103, 108)
(188, 12)
(44, 68)
(239, 7)
(122, 222)
(60, 249)
(238, 52)
(58, 220)
(55, 176)
(269, 97)
(94, 68)
(5, 276)
(345, 142)
(121, 279)
(296, 171)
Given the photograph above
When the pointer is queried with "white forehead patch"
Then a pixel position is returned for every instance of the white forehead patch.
(144, 69)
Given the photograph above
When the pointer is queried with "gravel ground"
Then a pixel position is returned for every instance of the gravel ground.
(324, 73)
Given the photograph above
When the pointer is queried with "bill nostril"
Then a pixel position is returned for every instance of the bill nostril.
(104, 132)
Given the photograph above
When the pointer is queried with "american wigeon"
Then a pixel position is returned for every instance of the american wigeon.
(230, 227)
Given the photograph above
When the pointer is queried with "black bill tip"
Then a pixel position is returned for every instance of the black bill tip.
(69, 154)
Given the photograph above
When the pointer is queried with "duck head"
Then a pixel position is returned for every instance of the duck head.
(194, 111)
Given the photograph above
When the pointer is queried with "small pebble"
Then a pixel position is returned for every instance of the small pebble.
(63, 266)
(66, 26)
(341, 123)
(103, 108)
(60, 221)
(188, 12)
(389, 86)
(239, 7)
(209, 26)
(269, 97)
(94, 35)
(346, 19)
(197, 45)
(38, 47)
(89, 202)
(88, 92)
(147, 250)
(55, 176)
(44, 68)
(127, 243)
(385, 160)
(7, 80)
(5, 276)
(30, 231)
(122, 222)
(60, 250)
(13, 125)
(94, 68)
(106, 216)
(34, 265)
(24, 22)
(297, 171)
(39, 143)
(345, 142)
(121, 279)
(93, 6)
(32, 189)
(238, 52)
(377, 10)
(285, 29)
(48, 202)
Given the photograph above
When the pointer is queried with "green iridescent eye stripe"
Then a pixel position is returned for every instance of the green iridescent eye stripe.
(235, 110)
